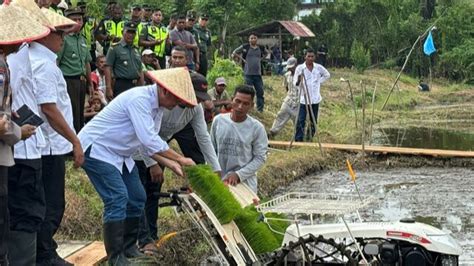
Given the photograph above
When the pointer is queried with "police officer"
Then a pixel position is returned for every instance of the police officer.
(88, 31)
(147, 11)
(124, 63)
(155, 37)
(110, 30)
(136, 16)
(204, 41)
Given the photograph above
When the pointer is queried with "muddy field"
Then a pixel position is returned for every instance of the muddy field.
(442, 197)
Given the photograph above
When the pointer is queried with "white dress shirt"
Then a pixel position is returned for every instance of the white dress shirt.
(51, 88)
(313, 80)
(126, 124)
(23, 88)
(176, 119)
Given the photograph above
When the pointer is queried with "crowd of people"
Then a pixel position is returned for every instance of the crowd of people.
(111, 95)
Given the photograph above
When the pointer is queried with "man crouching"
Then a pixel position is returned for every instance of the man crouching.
(110, 138)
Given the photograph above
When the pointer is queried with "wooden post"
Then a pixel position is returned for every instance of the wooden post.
(363, 122)
(372, 118)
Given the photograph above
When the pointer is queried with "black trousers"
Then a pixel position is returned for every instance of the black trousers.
(53, 179)
(76, 88)
(4, 219)
(122, 85)
(203, 64)
(187, 142)
(26, 202)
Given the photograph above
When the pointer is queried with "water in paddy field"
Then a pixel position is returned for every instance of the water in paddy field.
(421, 137)
(442, 197)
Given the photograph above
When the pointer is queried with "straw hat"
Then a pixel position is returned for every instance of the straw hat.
(33, 11)
(56, 20)
(177, 81)
(17, 26)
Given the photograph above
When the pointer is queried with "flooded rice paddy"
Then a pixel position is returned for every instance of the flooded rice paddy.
(442, 197)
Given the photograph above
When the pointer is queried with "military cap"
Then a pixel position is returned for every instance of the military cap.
(205, 16)
(74, 11)
(135, 6)
(146, 6)
(190, 15)
(130, 25)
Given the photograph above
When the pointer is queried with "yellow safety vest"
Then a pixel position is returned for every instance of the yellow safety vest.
(158, 33)
(87, 31)
(115, 29)
(137, 35)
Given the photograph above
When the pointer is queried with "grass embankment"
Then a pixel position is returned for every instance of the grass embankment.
(447, 105)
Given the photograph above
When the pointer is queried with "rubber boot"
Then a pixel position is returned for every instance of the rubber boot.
(22, 248)
(113, 241)
(130, 238)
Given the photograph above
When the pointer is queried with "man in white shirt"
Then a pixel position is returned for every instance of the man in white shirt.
(131, 122)
(309, 76)
(240, 140)
(60, 139)
(175, 121)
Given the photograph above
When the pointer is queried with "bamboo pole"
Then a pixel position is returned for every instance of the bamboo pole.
(372, 116)
(363, 121)
(352, 99)
(312, 116)
(408, 57)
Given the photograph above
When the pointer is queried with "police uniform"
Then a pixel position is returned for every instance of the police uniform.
(113, 29)
(125, 62)
(203, 38)
(156, 32)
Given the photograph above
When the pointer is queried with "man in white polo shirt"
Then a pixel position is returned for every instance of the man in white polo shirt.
(309, 76)
(126, 124)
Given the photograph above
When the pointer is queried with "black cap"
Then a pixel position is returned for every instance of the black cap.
(130, 25)
(205, 16)
(74, 11)
(135, 6)
(200, 86)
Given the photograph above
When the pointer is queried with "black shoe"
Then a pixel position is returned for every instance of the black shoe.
(130, 236)
(113, 241)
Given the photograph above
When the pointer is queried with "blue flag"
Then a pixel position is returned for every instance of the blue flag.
(428, 46)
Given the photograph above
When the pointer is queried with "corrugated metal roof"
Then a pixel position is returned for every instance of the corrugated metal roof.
(297, 28)
(294, 28)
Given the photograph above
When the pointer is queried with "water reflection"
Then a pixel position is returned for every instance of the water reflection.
(421, 137)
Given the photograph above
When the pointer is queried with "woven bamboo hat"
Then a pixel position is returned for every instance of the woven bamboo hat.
(177, 81)
(17, 26)
(57, 21)
(33, 11)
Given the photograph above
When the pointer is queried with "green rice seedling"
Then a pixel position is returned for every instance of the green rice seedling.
(213, 192)
(257, 233)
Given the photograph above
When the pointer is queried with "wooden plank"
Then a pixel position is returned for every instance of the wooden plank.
(381, 149)
(68, 247)
(92, 254)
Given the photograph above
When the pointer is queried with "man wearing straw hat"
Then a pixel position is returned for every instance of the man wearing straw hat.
(16, 28)
(36, 226)
(131, 118)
